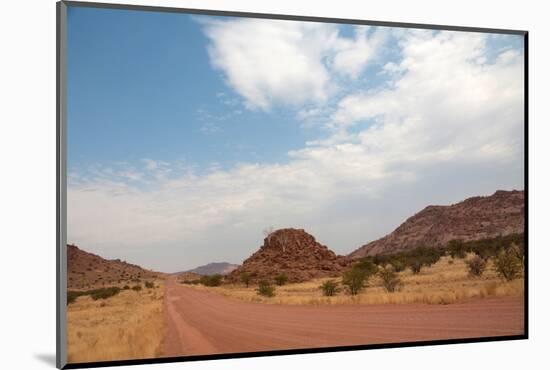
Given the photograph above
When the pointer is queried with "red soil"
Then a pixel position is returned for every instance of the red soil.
(200, 322)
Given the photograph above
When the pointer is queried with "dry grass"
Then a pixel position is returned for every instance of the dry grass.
(129, 325)
(442, 283)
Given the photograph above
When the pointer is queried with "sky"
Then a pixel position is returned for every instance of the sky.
(188, 135)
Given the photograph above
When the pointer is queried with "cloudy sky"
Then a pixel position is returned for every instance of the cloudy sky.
(190, 135)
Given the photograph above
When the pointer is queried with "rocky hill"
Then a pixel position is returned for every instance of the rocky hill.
(222, 268)
(474, 218)
(293, 252)
(87, 270)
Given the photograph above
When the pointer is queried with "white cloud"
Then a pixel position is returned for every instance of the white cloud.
(444, 104)
(352, 56)
(285, 62)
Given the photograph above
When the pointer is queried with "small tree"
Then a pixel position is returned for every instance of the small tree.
(329, 288)
(476, 265)
(281, 279)
(354, 280)
(104, 293)
(397, 265)
(246, 277)
(457, 249)
(484, 252)
(367, 266)
(149, 284)
(415, 266)
(390, 279)
(265, 289)
(507, 265)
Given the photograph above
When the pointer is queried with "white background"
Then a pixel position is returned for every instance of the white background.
(27, 188)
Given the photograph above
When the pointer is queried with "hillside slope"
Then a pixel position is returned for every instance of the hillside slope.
(474, 218)
(86, 270)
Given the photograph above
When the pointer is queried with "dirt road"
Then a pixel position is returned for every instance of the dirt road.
(200, 322)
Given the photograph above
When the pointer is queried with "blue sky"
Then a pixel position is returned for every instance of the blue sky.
(188, 135)
(156, 96)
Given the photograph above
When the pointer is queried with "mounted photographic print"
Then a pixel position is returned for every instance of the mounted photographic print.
(238, 184)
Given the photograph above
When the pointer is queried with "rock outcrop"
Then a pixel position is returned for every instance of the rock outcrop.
(292, 252)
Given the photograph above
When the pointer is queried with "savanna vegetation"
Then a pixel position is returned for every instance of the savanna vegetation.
(281, 279)
(95, 294)
(460, 271)
(329, 288)
(127, 324)
(246, 277)
(265, 289)
(211, 280)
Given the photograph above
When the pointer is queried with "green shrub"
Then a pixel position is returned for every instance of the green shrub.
(191, 282)
(101, 293)
(281, 279)
(366, 265)
(137, 288)
(246, 277)
(355, 280)
(72, 295)
(211, 280)
(476, 265)
(390, 280)
(427, 256)
(125, 287)
(507, 265)
(104, 293)
(149, 285)
(265, 289)
(397, 265)
(329, 288)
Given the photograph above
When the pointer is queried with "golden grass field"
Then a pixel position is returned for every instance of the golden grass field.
(443, 283)
(129, 325)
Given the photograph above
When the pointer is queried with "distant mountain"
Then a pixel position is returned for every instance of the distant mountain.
(474, 218)
(87, 270)
(222, 268)
(292, 252)
(187, 276)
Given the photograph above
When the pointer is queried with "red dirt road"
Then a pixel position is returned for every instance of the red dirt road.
(200, 322)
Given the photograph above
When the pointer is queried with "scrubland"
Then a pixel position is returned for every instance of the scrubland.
(129, 325)
(444, 282)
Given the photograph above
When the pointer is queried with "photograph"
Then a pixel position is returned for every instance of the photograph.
(240, 184)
